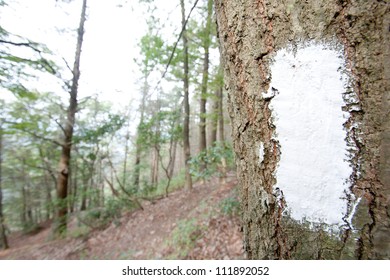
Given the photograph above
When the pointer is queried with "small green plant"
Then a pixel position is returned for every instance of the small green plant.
(213, 157)
(230, 206)
(98, 218)
(79, 232)
(184, 236)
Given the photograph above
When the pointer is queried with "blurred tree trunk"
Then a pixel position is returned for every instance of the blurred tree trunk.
(138, 145)
(214, 118)
(3, 236)
(48, 184)
(205, 80)
(186, 104)
(64, 165)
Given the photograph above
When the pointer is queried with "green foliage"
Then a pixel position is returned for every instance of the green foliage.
(80, 232)
(184, 236)
(22, 92)
(152, 49)
(213, 158)
(15, 69)
(177, 182)
(161, 128)
(101, 217)
(230, 206)
(31, 228)
(108, 126)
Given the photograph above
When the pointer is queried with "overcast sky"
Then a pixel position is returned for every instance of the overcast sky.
(113, 29)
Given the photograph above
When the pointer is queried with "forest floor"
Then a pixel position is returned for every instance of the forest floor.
(201, 224)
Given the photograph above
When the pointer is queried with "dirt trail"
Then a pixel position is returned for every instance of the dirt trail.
(150, 234)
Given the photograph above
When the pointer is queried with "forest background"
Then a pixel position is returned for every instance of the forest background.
(97, 124)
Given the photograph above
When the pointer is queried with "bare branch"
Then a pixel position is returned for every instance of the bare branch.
(37, 135)
(174, 47)
(60, 125)
(123, 189)
(29, 45)
(67, 65)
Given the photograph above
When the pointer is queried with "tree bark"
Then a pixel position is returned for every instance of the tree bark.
(186, 123)
(64, 165)
(251, 32)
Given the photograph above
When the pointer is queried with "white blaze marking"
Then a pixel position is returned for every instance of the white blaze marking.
(261, 153)
(313, 171)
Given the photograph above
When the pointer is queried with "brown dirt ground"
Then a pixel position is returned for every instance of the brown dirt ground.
(152, 233)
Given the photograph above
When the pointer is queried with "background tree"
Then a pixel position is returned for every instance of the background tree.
(3, 237)
(206, 42)
(186, 122)
(64, 165)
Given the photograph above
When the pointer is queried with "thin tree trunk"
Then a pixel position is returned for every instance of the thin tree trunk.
(214, 119)
(172, 152)
(221, 133)
(205, 80)
(64, 165)
(3, 236)
(186, 124)
(48, 202)
(138, 146)
(75, 186)
(84, 191)
(49, 199)
(155, 167)
(27, 211)
(125, 160)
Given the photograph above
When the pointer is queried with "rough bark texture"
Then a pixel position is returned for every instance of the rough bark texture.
(250, 32)
(64, 165)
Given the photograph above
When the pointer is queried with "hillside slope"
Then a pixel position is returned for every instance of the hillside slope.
(202, 224)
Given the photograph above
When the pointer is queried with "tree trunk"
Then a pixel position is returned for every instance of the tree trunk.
(214, 119)
(221, 121)
(154, 164)
(205, 80)
(3, 236)
(75, 184)
(186, 123)
(84, 191)
(64, 165)
(270, 51)
(48, 186)
(221, 134)
(138, 146)
(26, 196)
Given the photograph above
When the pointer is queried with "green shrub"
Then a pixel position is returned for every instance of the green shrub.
(184, 236)
(230, 206)
(212, 157)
